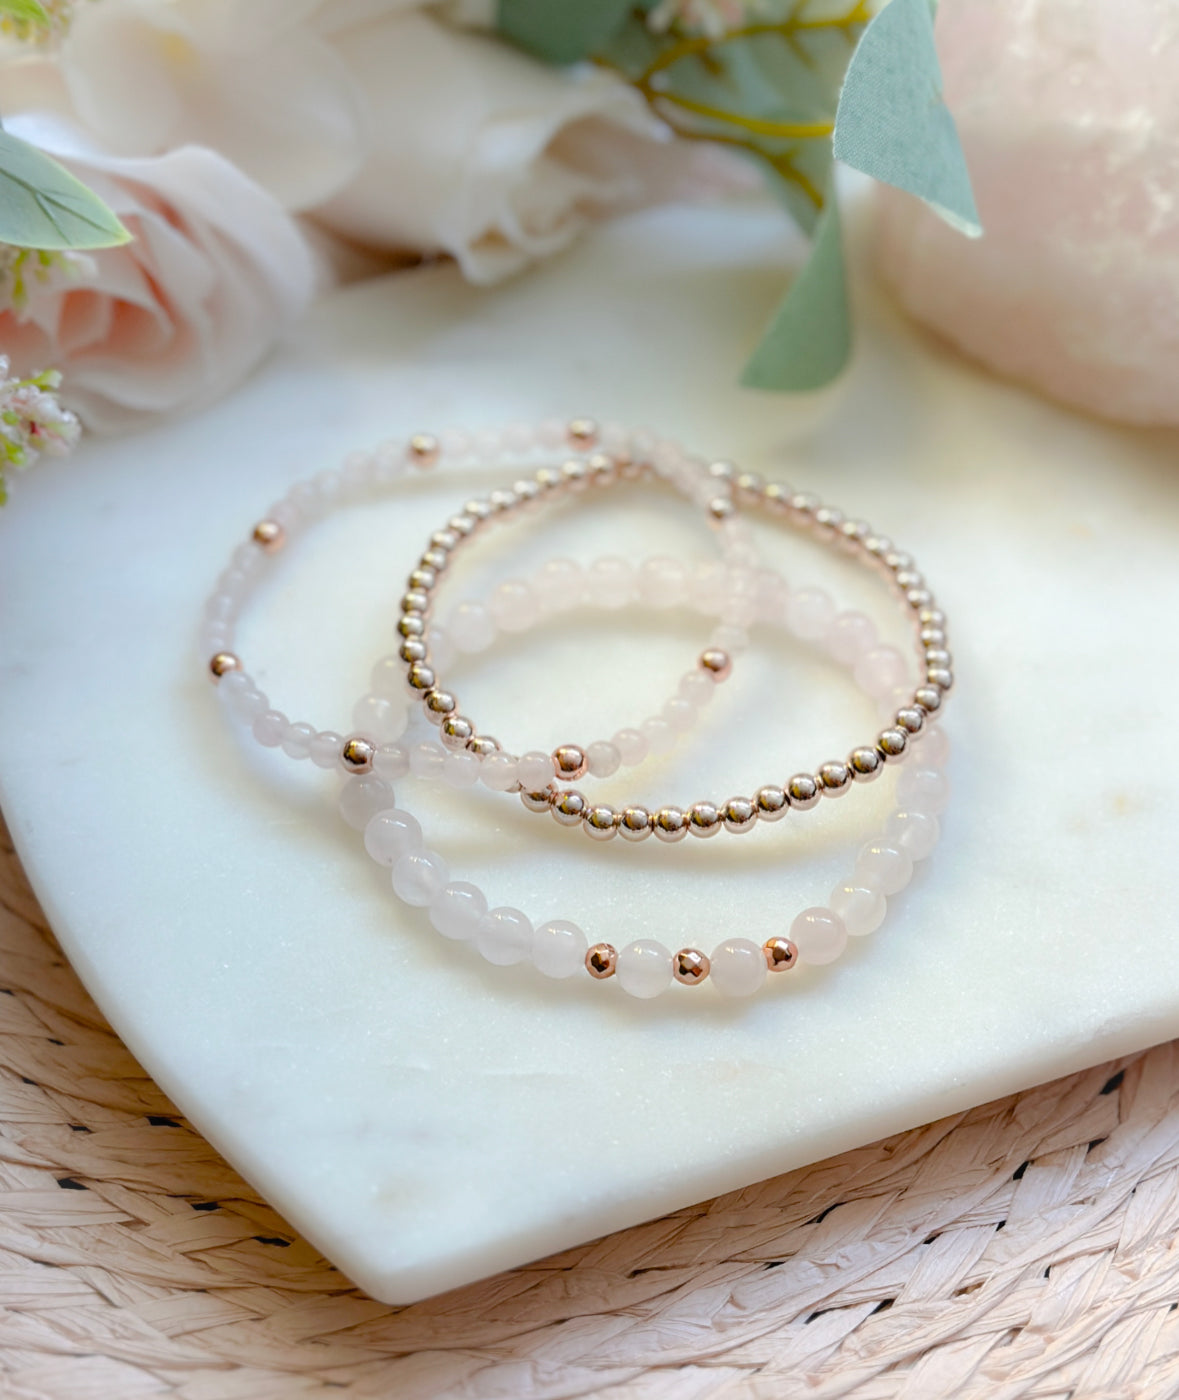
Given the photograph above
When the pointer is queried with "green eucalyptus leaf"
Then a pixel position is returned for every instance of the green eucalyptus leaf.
(892, 122)
(560, 31)
(809, 340)
(43, 206)
(26, 12)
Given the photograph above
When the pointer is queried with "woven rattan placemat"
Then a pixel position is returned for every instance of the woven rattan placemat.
(1026, 1248)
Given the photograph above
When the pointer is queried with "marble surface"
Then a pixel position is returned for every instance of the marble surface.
(428, 1119)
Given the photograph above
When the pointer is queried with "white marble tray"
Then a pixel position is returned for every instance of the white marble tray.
(427, 1119)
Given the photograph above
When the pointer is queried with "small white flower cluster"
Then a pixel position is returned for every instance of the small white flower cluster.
(712, 18)
(53, 270)
(32, 421)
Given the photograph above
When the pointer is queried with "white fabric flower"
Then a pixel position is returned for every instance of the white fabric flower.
(215, 273)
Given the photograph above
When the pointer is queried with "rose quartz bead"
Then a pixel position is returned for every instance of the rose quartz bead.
(696, 688)
(610, 582)
(460, 770)
(297, 743)
(916, 833)
(504, 936)
(734, 640)
(391, 761)
(560, 584)
(535, 770)
(499, 772)
(603, 759)
(662, 582)
(659, 735)
(514, 605)
(850, 636)
(426, 760)
(933, 750)
(418, 876)
(380, 717)
(632, 746)
(455, 443)
(819, 935)
(861, 909)
(809, 612)
(738, 967)
(444, 649)
(390, 834)
(880, 671)
(923, 790)
(362, 798)
(680, 715)
(246, 704)
(325, 748)
(644, 968)
(270, 728)
(884, 867)
(558, 948)
(471, 628)
(457, 910)
(388, 678)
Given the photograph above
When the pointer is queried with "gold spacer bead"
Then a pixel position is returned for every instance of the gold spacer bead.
(601, 961)
(690, 966)
(223, 663)
(780, 954)
(570, 762)
(423, 449)
(582, 432)
(358, 754)
(270, 535)
(716, 663)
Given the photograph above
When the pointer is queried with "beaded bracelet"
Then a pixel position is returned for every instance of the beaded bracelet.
(644, 968)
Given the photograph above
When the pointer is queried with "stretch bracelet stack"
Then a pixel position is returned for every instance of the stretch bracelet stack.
(747, 593)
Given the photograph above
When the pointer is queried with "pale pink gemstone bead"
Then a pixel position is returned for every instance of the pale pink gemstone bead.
(770, 596)
(632, 746)
(391, 462)
(738, 967)
(819, 935)
(444, 649)
(325, 748)
(418, 876)
(471, 628)
(603, 759)
(551, 432)
(514, 605)
(460, 769)
(850, 636)
(680, 715)
(696, 688)
(519, 437)
(923, 790)
(610, 582)
(881, 671)
(662, 582)
(457, 910)
(535, 770)
(706, 583)
(504, 936)
(382, 718)
(247, 704)
(297, 742)
(358, 473)
(270, 728)
(861, 909)
(659, 735)
(391, 833)
(884, 866)
(455, 443)
(728, 638)
(391, 761)
(809, 613)
(488, 444)
(362, 798)
(499, 772)
(426, 761)
(739, 611)
(933, 749)
(560, 584)
(388, 678)
(644, 968)
(916, 833)
(558, 948)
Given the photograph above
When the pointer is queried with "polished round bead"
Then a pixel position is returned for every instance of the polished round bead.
(631, 745)
(325, 748)
(923, 790)
(819, 935)
(270, 728)
(362, 798)
(716, 663)
(934, 751)
(559, 948)
(809, 613)
(696, 688)
(457, 910)
(535, 770)
(679, 714)
(610, 582)
(539, 801)
(635, 824)
(739, 814)
(425, 579)
(296, 742)
(910, 718)
(357, 753)
(437, 704)
(803, 791)
(690, 966)
(932, 636)
(582, 433)
(892, 743)
(883, 866)
(382, 717)
(569, 807)
(704, 819)
(662, 582)
(779, 954)
(601, 961)
(602, 759)
(738, 967)
(514, 605)
(880, 671)
(411, 624)
(390, 834)
(472, 627)
(862, 909)
(939, 657)
(850, 636)
(420, 676)
(865, 764)
(560, 584)
(249, 703)
(721, 508)
(418, 876)
(417, 600)
(483, 744)
(221, 664)
(772, 803)
(423, 450)
(412, 650)
(504, 936)
(460, 770)
(671, 824)
(834, 779)
(391, 762)
(929, 697)
(270, 535)
(456, 732)
(499, 772)
(659, 735)
(644, 968)
(941, 676)
(426, 761)
(916, 833)
(601, 822)
(569, 762)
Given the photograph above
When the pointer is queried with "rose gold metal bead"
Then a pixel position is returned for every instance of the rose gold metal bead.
(525, 489)
(548, 478)
(940, 676)
(933, 637)
(716, 663)
(478, 509)
(918, 598)
(483, 744)
(582, 433)
(461, 525)
(423, 579)
(749, 486)
(438, 704)
(803, 791)
(423, 450)
(892, 743)
(601, 961)
(772, 803)
(703, 819)
(420, 677)
(722, 471)
(503, 500)
(865, 764)
(456, 732)
(412, 649)
(671, 824)
(570, 762)
(537, 801)
(270, 535)
(416, 600)
(834, 779)
(929, 697)
(635, 824)
(600, 822)
(780, 954)
(931, 617)
(434, 558)
(568, 807)
(938, 656)
(575, 475)
(358, 754)
(223, 663)
(910, 718)
(603, 469)
(411, 624)
(739, 814)
(690, 966)
(720, 508)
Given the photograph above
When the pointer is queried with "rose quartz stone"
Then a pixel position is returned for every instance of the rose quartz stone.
(1068, 112)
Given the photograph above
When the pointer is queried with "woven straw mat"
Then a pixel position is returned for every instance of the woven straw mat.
(1023, 1249)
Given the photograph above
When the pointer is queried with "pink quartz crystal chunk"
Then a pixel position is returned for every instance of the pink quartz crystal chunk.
(1068, 112)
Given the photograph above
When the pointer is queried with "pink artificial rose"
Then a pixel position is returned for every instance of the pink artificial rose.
(1068, 112)
(216, 272)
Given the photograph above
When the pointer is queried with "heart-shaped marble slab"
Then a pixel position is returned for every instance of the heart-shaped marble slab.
(425, 1118)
